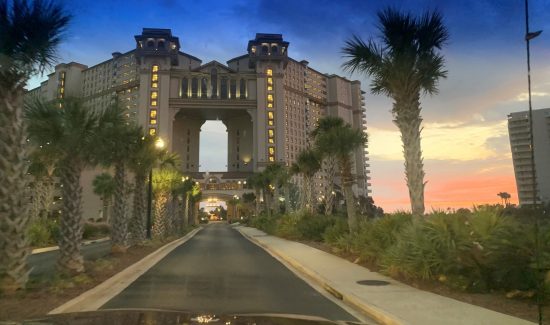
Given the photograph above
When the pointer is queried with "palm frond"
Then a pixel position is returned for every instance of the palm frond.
(431, 32)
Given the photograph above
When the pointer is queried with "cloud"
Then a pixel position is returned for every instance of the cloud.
(525, 96)
(445, 141)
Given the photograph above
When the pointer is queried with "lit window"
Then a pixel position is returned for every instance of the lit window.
(153, 103)
(269, 72)
(270, 140)
(152, 131)
(271, 158)
(270, 115)
(269, 88)
(270, 122)
(269, 98)
(62, 90)
(269, 105)
(270, 81)
(154, 94)
(271, 133)
(154, 85)
(153, 113)
(155, 77)
(253, 49)
(155, 68)
(271, 150)
(153, 121)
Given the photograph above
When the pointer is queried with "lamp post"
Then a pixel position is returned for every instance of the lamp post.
(159, 144)
(540, 282)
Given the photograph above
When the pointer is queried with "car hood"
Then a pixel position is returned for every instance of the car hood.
(158, 317)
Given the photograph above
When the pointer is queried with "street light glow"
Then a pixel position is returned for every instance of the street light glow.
(159, 143)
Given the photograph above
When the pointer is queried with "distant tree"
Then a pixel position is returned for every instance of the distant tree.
(404, 65)
(368, 208)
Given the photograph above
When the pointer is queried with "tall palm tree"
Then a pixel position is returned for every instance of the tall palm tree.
(104, 186)
(72, 134)
(307, 164)
(406, 64)
(277, 177)
(41, 168)
(256, 182)
(120, 139)
(329, 163)
(341, 142)
(30, 33)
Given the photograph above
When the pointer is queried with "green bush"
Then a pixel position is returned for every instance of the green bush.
(312, 227)
(286, 226)
(264, 223)
(93, 230)
(333, 233)
(43, 232)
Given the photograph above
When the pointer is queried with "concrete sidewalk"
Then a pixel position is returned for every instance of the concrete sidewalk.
(395, 303)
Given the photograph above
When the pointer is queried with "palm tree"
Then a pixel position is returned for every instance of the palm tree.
(104, 186)
(329, 163)
(340, 142)
(307, 164)
(70, 134)
(120, 140)
(41, 168)
(164, 182)
(30, 33)
(406, 64)
(256, 182)
(277, 177)
(144, 156)
(505, 196)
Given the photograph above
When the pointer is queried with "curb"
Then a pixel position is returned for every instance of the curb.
(54, 248)
(350, 299)
(96, 297)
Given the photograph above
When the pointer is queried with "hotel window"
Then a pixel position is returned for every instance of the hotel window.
(270, 115)
(271, 150)
(153, 113)
(154, 94)
(269, 105)
(270, 98)
(155, 77)
(269, 72)
(270, 122)
(271, 133)
(154, 102)
(243, 89)
(152, 131)
(155, 68)
(153, 121)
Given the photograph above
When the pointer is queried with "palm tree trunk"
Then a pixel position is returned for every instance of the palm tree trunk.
(119, 228)
(257, 208)
(275, 202)
(306, 202)
(159, 222)
(347, 183)
(330, 172)
(14, 218)
(186, 211)
(137, 226)
(267, 201)
(408, 120)
(70, 259)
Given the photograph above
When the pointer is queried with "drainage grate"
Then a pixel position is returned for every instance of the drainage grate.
(373, 282)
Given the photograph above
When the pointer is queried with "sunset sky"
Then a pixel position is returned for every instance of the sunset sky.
(465, 140)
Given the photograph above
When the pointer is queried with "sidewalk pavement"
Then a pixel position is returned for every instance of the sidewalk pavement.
(54, 248)
(393, 304)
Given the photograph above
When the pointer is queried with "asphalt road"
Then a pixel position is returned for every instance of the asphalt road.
(219, 271)
(44, 263)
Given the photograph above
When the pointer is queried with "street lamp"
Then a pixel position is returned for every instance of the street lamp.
(528, 37)
(159, 144)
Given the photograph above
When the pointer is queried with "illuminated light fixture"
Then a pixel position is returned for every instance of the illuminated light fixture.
(159, 143)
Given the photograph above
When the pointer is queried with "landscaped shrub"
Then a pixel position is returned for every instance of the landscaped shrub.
(43, 232)
(95, 230)
(264, 223)
(286, 226)
(333, 233)
(312, 227)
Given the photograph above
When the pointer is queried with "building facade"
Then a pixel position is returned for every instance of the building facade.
(519, 133)
(268, 101)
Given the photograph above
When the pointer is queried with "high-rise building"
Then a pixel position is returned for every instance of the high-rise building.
(519, 132)
(268, 101)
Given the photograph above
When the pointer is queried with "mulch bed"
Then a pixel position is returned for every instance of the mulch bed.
(44, 294)
(497, 301)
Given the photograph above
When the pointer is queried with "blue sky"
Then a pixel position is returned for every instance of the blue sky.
(465, 132)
